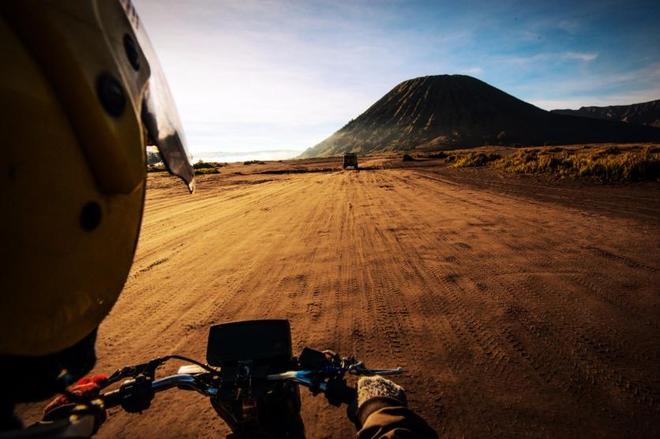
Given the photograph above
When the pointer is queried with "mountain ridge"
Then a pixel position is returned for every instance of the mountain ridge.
(643, 113)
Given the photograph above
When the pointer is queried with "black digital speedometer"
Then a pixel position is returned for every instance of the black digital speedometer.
(253, 340)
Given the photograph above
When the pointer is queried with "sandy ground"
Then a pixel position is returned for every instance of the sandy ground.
(517, 308)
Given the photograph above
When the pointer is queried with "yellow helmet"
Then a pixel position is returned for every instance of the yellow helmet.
(81, 94)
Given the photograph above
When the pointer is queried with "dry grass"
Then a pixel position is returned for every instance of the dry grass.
(203, 171)
(603, 163)
(207, 165)
(202, 167)
(606, 164)
(474, 159)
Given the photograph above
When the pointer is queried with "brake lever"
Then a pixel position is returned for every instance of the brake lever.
(372, 372)
(357, 368)
(124, 372)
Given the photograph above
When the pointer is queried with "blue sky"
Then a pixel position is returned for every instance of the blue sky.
(267, 79)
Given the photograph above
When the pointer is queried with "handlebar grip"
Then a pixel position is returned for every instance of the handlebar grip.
(338, 392)
(112, 399)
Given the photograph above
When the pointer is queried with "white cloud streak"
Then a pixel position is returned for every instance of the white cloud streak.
(570, 26)
(579, 56)
(548, 57)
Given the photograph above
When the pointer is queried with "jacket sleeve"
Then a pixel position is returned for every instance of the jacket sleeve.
(384, 419)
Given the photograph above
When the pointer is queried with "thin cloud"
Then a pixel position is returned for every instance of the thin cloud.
(570, 26)
(548, 57)
(579, 56)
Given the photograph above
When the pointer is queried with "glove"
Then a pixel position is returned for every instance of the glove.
(379, 387)
(88, 388)
(374, 393)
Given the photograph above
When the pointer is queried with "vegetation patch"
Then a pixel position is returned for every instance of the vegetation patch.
(205, 171)
(202, 167)
(408, 158)
(437, 155)
(475, 159)
(606, 164)
(156, 168)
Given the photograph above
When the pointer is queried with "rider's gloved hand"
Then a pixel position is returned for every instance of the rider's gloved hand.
(381, 412)
(87, 388)
(374, 393)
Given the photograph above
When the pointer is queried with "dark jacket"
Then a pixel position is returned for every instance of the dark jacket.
(387, 418)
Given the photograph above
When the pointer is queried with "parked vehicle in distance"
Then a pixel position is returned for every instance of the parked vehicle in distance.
(350, 160)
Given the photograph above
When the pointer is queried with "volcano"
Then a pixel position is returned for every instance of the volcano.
(448, 111)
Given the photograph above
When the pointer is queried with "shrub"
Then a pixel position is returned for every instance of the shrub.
(203, 165)
(156, 168)
(610, 150)
(551, 150)
(208, 165)
(202, 171)
(473, 160)
(408, 158)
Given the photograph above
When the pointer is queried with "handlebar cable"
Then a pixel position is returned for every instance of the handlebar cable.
(149, 368)
(206, 367)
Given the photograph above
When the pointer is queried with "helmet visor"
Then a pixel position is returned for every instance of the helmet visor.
(159, 114)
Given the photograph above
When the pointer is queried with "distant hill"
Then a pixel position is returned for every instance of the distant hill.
(457, 110)
(646, 113)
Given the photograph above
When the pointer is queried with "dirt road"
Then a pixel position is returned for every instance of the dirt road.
(512, 316)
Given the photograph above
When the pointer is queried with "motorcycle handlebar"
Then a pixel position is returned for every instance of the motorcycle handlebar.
(306, 378)
(114, 398)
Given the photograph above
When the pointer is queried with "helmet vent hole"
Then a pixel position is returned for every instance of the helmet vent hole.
(131, 52)
(90, 216)
(111, 94)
